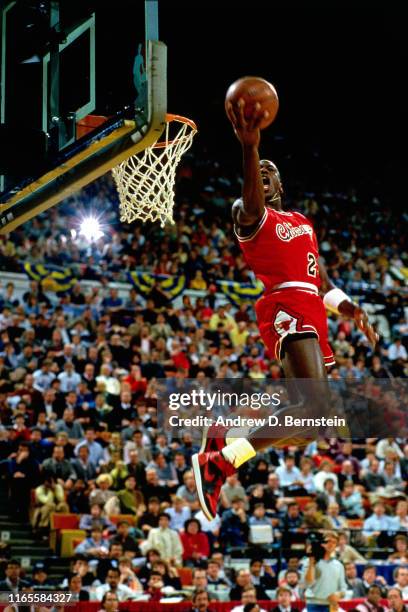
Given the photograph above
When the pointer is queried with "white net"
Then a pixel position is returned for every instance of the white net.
(145, 182)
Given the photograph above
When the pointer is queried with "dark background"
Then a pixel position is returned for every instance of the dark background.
(339, 69)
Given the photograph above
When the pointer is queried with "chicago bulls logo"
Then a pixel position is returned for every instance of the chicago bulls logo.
(284, 323)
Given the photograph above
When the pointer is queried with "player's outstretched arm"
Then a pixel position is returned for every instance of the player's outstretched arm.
(251, 209)
(338, 302)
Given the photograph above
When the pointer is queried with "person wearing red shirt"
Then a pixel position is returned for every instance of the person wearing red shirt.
(137, 383)
(195, 542)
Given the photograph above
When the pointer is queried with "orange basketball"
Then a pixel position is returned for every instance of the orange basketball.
(253, 90)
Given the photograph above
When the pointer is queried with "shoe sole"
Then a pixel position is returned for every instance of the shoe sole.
(199, 486)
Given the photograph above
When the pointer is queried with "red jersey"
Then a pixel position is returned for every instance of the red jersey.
(282, 249)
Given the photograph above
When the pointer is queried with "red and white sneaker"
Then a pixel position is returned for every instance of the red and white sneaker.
(210, 472)
(213, 438)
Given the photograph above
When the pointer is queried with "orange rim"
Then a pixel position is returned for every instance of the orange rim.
(180, 119)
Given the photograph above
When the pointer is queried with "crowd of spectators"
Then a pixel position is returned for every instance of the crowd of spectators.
(79, 427)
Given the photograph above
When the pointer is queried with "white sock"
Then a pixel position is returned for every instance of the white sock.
(238, 452)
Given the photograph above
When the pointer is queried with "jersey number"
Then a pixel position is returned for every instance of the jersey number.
(311, 265)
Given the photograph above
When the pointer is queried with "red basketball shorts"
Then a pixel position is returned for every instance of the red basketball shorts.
(292, 311)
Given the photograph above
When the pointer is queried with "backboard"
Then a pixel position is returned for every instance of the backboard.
(83, 87)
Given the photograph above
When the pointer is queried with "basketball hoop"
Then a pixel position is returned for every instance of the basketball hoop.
(145, 181)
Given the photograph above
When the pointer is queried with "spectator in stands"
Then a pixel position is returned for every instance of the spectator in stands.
(166, 541)
(195, 543)
(136, 468)
(234, 525)
(102, 493)
(155, 585)
(292, 581)
(110, 602)
(179, 513)
(401, 550)
(41, 580)
(200, 601)
(401, 581)
(397, 350)
(131, 500)
(80, 565)
(325, 472)
(128, 576)
(401, 516)
(151, 555)
(395, 600)
(49, 498)
(152, 488)
(96, 453)
(372, 478)
(345, 552)
(169, 574)
(351, 501)
(12, 581)
(262, 575)
(59, 468)
(111, 560)
(243, 580)
(354, 583)
(370, 578)
(113, 584)
(289, 475)
(230, 490)
(306, 475)
(284, 598)
(293, 563)
(214, 578)
(94, 545)
(376, 526)
(372, 603)
(188, 492)
(96, 517)
(150, 518)
(123, 537)
(82, 465)
(328, 496)
(314, 518)
(248, 597)
(333, 513)
(71, 427)
(75, 587)
(21, 474)
(348, 472)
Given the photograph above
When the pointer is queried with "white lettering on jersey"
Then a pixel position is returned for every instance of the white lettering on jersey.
(285, 231)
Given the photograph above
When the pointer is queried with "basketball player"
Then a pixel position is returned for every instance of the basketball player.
(281, 248)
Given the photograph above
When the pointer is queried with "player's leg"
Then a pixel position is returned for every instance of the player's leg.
(302, 359)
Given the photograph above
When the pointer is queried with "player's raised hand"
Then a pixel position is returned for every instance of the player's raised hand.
(247, 129)
(363, 324)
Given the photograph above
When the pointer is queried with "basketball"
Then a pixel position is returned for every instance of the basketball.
(253, 90)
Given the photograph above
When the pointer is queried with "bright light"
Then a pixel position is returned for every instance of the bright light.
(90, 228)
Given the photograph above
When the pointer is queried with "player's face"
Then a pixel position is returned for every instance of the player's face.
(271, 180)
